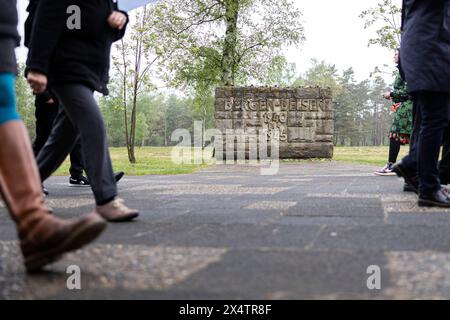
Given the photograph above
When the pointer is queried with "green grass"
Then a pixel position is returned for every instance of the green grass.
(150, 160)
(377, 156)
(157, 160)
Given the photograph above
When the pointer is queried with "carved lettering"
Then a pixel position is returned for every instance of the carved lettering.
(296, 117)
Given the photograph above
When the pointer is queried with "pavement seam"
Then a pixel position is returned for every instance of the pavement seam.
(309, 246)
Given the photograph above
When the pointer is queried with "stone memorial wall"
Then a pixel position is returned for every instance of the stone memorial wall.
(301, 119)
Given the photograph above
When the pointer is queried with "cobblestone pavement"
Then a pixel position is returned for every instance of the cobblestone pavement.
(228, 232)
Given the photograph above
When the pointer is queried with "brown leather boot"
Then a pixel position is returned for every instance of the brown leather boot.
(43, 237)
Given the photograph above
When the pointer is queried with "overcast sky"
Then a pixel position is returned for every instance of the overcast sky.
(334, 33)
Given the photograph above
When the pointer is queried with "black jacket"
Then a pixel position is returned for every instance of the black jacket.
(9, 37)
(425, 48)
(72, 56)
(8, 20)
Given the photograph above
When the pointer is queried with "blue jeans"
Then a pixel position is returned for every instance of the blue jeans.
(8, 110)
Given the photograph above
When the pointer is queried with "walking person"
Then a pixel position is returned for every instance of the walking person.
(74, 61)
(425, 61)
(43, 237)
(401, 128)
(47, 107)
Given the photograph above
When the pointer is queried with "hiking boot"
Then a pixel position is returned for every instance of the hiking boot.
(117, 211)
(436, 199)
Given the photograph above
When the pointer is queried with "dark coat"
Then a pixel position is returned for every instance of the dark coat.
(9, 37)
(73, 56)
(425, 48)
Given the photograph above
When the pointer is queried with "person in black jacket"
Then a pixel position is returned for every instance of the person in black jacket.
(425, 63)
(43, 237)
(73, 59)
(47, 106)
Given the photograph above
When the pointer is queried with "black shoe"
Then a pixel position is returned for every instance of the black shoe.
(119, 175)
(80, 181)
(45, 191)
(435, 199)
(410, 177)
(408, 188)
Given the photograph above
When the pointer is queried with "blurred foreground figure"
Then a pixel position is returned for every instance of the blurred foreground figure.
(43, 238)
(425, 62)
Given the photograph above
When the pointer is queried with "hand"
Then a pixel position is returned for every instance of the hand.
(117, 20)
(37, 81)
(51, 101)
(387, 95)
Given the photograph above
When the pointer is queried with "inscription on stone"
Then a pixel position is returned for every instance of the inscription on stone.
(301, 119)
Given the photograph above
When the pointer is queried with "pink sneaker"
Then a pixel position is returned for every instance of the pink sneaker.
(386, 171)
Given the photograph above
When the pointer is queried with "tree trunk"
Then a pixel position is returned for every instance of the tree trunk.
(125, 104)
(165, 130)
(230, 44)
(137, 79)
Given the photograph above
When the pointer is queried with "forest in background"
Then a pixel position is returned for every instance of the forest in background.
(165, 71)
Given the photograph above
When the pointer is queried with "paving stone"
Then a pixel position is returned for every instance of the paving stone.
(271, 205)
(420, 275)
(227, 232)
(128, 267)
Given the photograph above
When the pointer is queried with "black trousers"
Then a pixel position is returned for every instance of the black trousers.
(434, 110)
(394, 150)
(45, 117)
(444, 165)
(79, 117)
(410, 161)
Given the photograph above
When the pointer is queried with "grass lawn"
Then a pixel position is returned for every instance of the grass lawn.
(150, 160)
(157, 160)
(377, 156)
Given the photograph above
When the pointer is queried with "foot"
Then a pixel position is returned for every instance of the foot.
(409, 188)
(80, 181)
(386, 171)
(51, 237)
(119, 175)
(409, 176)
(435, 199)
(117, 211)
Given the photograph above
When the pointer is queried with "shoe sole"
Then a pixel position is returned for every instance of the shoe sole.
(384, 174)
(125, 218)
(79, 185)
(428, 203)
(85, 234)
